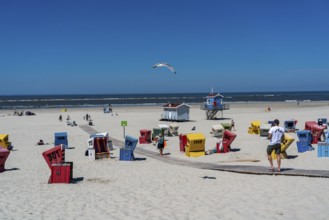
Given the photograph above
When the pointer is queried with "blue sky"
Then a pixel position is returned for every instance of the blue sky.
(91, 47)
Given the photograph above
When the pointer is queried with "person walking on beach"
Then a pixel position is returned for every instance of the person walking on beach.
(276, 135)
(161, 141)
(233, 125)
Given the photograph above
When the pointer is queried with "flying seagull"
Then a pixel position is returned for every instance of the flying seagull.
(171, 68)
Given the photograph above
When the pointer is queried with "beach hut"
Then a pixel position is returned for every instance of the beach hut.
(213, 104)
(176, 112)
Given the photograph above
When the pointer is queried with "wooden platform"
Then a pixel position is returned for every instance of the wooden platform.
(244, 169)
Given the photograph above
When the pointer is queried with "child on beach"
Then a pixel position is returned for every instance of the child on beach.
(160, 144)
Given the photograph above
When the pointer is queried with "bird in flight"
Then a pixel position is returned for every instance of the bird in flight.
(171, 68)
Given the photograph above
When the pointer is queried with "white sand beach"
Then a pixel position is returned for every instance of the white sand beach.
(152, 188)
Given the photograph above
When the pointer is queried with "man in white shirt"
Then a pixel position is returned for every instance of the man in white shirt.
(276, 135)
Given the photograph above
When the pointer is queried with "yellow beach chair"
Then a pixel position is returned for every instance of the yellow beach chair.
(195, 146)
(285, 143)
(254, 129)
(4, 141)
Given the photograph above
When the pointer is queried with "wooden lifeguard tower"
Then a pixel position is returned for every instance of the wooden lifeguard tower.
(213, 104)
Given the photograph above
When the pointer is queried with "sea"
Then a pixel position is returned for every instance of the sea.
(103, 100)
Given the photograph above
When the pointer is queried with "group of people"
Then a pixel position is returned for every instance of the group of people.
(60, 118)
(17, 113)
(68, 120)
(87, 117)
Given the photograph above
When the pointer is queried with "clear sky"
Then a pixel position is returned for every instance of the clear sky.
(110, 46)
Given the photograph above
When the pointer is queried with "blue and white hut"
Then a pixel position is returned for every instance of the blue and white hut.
(213, 104)
(176, 112)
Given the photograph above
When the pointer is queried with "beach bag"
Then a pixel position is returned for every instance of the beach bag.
(164, 143)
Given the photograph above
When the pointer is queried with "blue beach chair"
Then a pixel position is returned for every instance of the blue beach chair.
(61, 138)
(127, 152)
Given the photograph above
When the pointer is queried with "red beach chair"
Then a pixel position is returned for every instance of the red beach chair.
(61, 171)
(228, 138)
(4, 153)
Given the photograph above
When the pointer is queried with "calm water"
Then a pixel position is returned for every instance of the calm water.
(56, 101)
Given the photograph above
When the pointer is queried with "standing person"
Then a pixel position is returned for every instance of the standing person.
(276, 135)
(233, 125)
(160, 144)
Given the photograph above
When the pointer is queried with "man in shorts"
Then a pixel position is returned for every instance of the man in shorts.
(276, 135)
